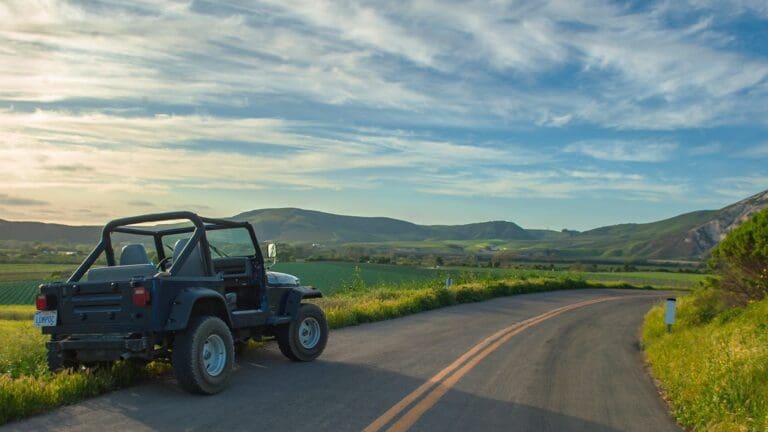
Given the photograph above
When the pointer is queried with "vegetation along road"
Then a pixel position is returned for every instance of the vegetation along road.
(563, 360)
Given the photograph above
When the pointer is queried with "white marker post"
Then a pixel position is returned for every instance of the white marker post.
(448, 282)
(669, 316)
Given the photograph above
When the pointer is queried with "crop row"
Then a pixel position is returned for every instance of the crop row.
(18, 292)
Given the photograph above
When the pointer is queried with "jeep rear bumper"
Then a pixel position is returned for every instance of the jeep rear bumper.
(89, 348)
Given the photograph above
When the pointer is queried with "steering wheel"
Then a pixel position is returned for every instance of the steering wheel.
(161, 265)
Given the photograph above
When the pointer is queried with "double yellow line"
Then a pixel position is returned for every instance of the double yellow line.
(440, 383)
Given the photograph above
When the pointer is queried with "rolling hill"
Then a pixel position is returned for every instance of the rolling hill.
(47, 232)
(687, 236)
(297, 225)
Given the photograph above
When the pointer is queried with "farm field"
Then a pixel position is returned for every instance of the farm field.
(330, 277)
(19, 282)
(20, 272)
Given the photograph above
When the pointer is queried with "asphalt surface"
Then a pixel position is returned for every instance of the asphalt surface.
(578, 370)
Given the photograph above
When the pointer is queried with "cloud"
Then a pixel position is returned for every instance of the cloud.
(470, 63)
(140, 203)
(69, 168)
(705, 149)
(13, 201)
(462, 97)
(740, 187)
(160, 160)
(163, 168)
(759, 150)
(629, 151)
(557, 184)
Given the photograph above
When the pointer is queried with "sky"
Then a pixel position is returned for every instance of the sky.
(563, 114)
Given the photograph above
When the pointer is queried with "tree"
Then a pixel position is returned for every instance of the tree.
(741, 260)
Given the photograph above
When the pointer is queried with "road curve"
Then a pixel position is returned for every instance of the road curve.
(558, 361)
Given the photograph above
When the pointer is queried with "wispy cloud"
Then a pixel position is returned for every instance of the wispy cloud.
(15, 201)
(464, 98)
(630, 151)
(740, 187)
(705, 149)
(446, 62)
(759, 150)
(553, 184)
(160, 158)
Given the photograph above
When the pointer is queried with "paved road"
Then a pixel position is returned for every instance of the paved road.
(484, 366)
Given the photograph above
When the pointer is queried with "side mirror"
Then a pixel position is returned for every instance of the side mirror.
(272, 251)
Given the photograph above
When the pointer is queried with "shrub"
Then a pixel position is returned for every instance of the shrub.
(741, 260)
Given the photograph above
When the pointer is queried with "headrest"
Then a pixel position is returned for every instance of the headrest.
(134, 254)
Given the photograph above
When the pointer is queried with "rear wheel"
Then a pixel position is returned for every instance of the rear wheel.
(304, 338)
(203, 355)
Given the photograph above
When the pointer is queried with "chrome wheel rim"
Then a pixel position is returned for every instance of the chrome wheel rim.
(309, 333)
(214, 355)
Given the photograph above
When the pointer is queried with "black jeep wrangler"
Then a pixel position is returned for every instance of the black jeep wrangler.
(189, 306)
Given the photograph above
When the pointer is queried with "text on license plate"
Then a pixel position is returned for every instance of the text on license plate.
(45, 318)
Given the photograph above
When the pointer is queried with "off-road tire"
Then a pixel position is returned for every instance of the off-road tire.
(188, 352)
(289, 337)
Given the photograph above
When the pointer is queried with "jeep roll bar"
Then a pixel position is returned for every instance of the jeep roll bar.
(198, 230)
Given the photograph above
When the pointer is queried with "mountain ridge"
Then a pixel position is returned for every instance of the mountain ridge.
(686, 236)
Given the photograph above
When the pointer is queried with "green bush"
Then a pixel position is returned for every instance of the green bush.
(741, 261)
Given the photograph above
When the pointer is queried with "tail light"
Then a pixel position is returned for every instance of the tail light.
(140, 296)
(41, 302)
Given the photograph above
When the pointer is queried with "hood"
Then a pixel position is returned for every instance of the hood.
(282, 279)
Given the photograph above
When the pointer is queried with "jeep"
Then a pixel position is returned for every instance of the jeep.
(189, 306)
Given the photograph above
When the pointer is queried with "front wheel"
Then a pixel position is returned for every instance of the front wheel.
(203, 355)
(304, 338)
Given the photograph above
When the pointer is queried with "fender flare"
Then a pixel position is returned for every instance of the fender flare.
(184, 304)
(292, 299)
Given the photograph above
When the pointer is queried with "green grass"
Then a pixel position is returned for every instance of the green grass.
(713, 366)
(19, 282)
(359, 294)
(18, 292)
(16, 272)
(17, 312)
(362, 306)
(331, 277)
(655, 279)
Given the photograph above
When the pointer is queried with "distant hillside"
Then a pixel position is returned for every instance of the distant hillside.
(292, 224)
(699, 240)
(685, 237)
(45, 232)
(690, 235)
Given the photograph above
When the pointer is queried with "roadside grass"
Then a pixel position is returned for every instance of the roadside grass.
(659, 280)
(332, 277)
(355, 307)
(17, 312)
(27, 388)
(713, 366)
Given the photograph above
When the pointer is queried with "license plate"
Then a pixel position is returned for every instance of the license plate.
(45, 318)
